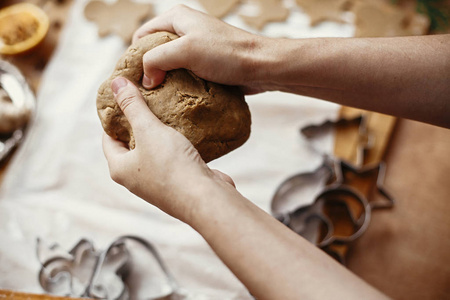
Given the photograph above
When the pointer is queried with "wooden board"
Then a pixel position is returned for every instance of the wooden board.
(405, 251)
(380, 127)
(13, 295)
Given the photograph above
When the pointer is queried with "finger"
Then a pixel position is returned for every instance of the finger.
(153, 78)
(248, 90)
(163, 22)
(113, 148)
(114, 151)
(130, 101)
(164, 58)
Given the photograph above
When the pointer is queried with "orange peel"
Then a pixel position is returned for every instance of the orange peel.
(22, 27)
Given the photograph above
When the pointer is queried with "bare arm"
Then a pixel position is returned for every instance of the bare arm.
(407, 77)
(270, 260)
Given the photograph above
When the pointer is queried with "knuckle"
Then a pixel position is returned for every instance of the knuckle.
(135, 36)
(125, 99)
(147, 59)
(180, 7)
(189, 44)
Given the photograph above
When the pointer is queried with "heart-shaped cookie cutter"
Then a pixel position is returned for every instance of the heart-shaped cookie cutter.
(86, 272)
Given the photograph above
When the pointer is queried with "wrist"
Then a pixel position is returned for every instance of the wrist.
(272, 62)
(289, 65)
(213, 199)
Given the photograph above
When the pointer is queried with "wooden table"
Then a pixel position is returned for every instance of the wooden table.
(406, 251)
(13, 295)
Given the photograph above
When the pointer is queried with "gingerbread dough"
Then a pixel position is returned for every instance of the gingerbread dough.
(324, 10)
(270, 11)
(122, 17)
(215, 118)
(376, 19)
(218, 8)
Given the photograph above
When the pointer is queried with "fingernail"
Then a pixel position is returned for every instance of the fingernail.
(147, 82)
(118, 84)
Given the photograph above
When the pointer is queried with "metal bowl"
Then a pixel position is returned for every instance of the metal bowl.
(18, 90)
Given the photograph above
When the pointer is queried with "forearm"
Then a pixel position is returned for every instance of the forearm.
(407, 77)
(270, 260)
(165, 169)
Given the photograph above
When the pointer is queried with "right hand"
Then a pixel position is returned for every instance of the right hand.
(210, 48)
(164, 168)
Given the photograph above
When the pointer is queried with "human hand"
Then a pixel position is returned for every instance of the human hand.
(164, 168)
(210, 48)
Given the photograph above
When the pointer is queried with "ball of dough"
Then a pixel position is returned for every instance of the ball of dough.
(214, 117)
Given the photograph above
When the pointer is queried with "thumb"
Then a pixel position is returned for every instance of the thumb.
(130, 101)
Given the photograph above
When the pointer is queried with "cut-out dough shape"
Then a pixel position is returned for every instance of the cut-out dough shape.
(122, 17)
(376, 19)
(218, 8)
(270, 11)
(324, 10)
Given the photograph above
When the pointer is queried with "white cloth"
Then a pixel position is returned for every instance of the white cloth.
(58, 186)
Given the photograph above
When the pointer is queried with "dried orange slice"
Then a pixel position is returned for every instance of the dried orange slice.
(22, 27)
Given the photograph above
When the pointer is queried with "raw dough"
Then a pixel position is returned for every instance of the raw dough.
(218, 8)
(12, 117)
(376, 19)
(270, 11)
(324, 10)
(122, 17)
(215, 118)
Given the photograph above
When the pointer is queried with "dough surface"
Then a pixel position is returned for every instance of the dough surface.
(213, 117)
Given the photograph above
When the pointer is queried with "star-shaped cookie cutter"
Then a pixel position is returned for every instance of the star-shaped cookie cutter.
(316, 221)
(379, 169)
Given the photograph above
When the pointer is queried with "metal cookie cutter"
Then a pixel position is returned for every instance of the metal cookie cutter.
(317, 222)
(17, 89)
(299, 189)
(86, 272)
(365, 137)
(378, 169)
(339, 214)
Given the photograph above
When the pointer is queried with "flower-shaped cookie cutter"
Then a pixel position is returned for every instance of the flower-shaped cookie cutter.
(16, 87)
(86, 272)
